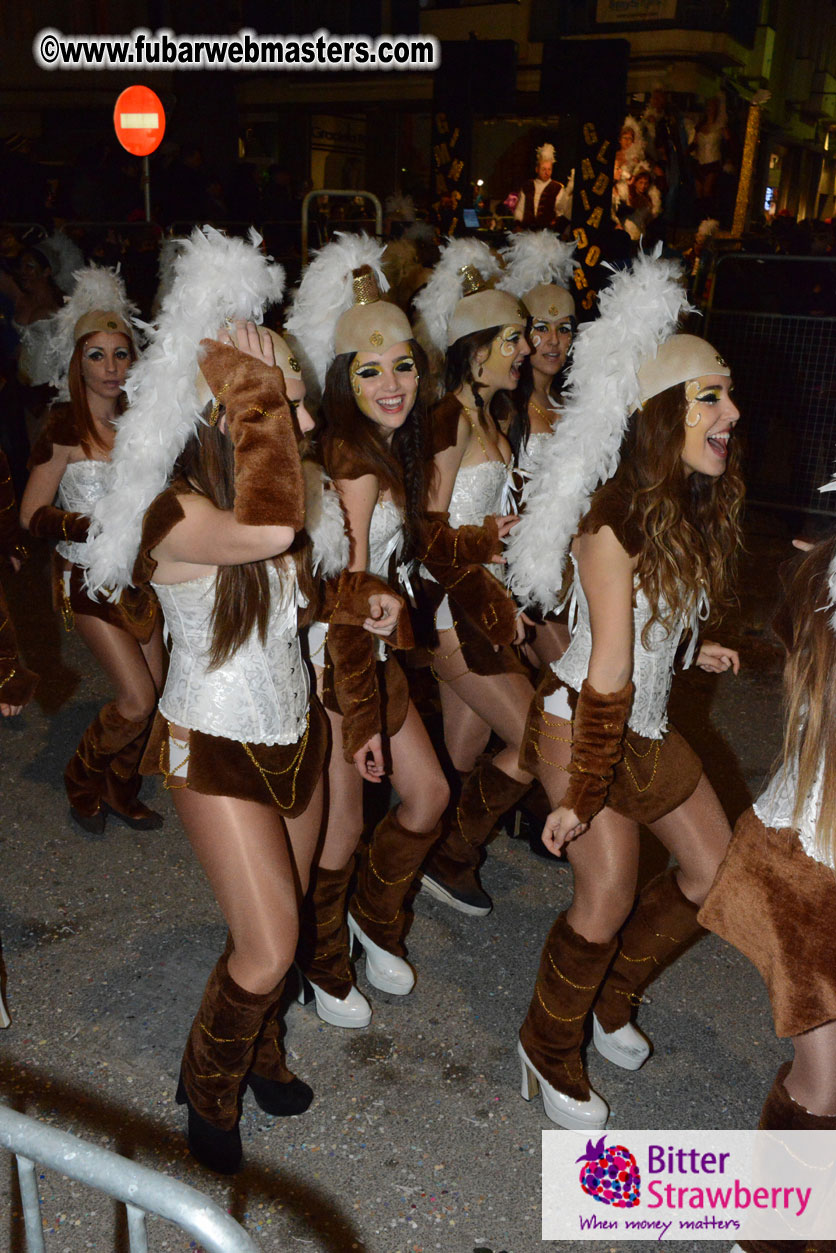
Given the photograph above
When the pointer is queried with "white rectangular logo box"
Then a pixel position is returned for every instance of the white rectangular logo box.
(689, 1185)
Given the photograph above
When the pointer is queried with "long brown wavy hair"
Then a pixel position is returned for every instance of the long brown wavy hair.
(690, 524)
(398, 466)
(242, 592)
(810, 689)
(83, 418)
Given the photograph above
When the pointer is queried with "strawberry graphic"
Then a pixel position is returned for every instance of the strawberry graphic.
(610, 1175)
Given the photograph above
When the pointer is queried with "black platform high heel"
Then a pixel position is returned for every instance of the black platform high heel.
(214, 1148)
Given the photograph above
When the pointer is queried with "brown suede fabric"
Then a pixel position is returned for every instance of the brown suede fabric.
(17, 684)
(324, 942)
(284, 775)
(388, 866)
(781, 1113)
(347, 604)
(269, 1061)
(571, 970)
(269, 484)
(11, 533)
(136, 611)
(447, 549)
(652, 778)
(610, 506)
(59, 428)
(661, 924)
(164, 512)
(221, 1045)
(762, 901)
(597, 735)
(444, 424)
(486, 794)
(104, 766)
(51, 523)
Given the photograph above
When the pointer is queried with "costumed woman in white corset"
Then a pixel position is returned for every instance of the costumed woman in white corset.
(373, 412)
(90, 348)
(774, 897)
(649, 414)
(538, 269)
(484, 687)
(206, 503)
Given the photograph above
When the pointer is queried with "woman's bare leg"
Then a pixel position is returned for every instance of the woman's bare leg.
(812, 1077)
(697, 832)
(124, 663)
(416, 775)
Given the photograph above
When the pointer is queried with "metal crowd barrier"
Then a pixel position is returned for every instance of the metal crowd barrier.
(774, 320)
(143, 1191)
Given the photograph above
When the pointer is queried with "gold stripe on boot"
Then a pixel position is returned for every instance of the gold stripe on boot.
(324, 945)
(387, 870)
(571, 970)
(663, 921)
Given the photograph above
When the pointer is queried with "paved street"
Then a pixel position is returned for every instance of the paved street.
(418, 1139)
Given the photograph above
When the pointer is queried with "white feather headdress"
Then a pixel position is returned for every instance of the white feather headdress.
(95, 287)
(536, 257)
(445, 287)
(216, 279)
(326, 292)
(638, 311)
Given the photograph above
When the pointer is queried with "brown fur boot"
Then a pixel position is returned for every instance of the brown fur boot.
(781, 1113)
(94, 787)
(571, 970)
(387, 870)
(216, 1060)
(323, 954)
(451, 870)
(662, 922)
(276, 1089)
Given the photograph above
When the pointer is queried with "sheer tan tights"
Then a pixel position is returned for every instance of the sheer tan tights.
(812, 1078)
(605, 858)
(473, 705)
(416, 777)
(135, 670)
(258, 868)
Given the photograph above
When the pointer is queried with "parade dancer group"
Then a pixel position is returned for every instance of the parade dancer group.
(575, 504)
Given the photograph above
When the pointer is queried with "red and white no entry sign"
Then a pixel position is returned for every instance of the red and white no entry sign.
(139, 120)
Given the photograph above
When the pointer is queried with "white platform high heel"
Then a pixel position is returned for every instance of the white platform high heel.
(5, 1020)
(589, 1115)
(353, 1011)
(626, 1047)
(384, 971)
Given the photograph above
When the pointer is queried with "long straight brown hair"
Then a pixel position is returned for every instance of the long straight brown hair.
(242, 592)
(83, 418)
(810, 690)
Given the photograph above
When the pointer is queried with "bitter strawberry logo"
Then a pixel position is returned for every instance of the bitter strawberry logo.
(610, 1175)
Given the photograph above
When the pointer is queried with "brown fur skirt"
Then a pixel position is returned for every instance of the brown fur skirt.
(135, 612)
(283, 775)
(653, 777)
(778, 907)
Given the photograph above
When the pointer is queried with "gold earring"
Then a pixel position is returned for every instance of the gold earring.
(480, 371)
(696, 422)
(355, 386)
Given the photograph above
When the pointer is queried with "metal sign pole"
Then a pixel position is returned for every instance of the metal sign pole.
(146, 187)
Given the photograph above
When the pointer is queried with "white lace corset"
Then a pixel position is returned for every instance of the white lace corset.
(385, 536)
(260, 694)
(532, 450)
(82, 484)
(775, 808)
(652, 665)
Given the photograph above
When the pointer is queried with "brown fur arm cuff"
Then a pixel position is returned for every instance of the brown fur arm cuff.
(347, 604)
(51, 523)
(356, 689)
(269, 485)
(597, 747)
(447, 549)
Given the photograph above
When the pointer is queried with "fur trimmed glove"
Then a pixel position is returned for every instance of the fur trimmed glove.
(597, 747)
(51, 523)
(269, 486)
(448, 548)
